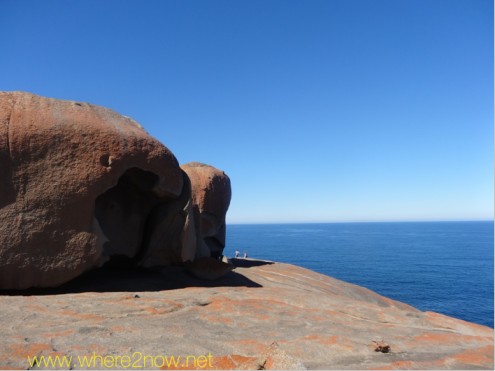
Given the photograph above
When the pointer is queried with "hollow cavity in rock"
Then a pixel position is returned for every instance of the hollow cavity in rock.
(122, 212)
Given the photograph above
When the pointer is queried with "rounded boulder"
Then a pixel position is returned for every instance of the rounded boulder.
(211, 194)
(77, 184)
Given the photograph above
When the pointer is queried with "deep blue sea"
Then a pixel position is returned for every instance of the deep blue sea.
(446, 267)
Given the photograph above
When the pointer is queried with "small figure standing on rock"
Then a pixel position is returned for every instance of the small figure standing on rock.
(245, 255)
(237, 253)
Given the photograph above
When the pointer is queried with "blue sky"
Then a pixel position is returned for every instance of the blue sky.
(329, 110)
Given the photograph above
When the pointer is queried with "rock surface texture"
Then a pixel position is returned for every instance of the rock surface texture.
(82, 186)
(77, 185)
(259, 316)
(211, 195)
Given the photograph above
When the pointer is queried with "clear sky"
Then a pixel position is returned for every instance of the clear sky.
(335, 110)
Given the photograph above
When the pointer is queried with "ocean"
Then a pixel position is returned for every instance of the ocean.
(445, 267)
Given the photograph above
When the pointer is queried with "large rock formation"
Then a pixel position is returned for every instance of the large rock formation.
(261, 316)
(211, 195)
(81, 185)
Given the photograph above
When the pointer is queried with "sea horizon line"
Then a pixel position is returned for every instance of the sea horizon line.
(361, 222)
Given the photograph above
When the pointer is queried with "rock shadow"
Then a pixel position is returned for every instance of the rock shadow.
(118, 279)
(248, 263)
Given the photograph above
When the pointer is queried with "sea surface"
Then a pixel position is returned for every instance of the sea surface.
(446, 267)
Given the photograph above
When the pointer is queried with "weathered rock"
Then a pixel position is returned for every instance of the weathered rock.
(262, 315)
(77, 184)
(211, 195)
(170, 236)
(381, 346)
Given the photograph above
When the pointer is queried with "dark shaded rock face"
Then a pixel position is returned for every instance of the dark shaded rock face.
(211, 194)
(170, 237)
(123, 210)
(81, 186)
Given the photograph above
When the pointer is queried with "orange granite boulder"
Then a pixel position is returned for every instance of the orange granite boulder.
(211, 194)
(77, 184)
